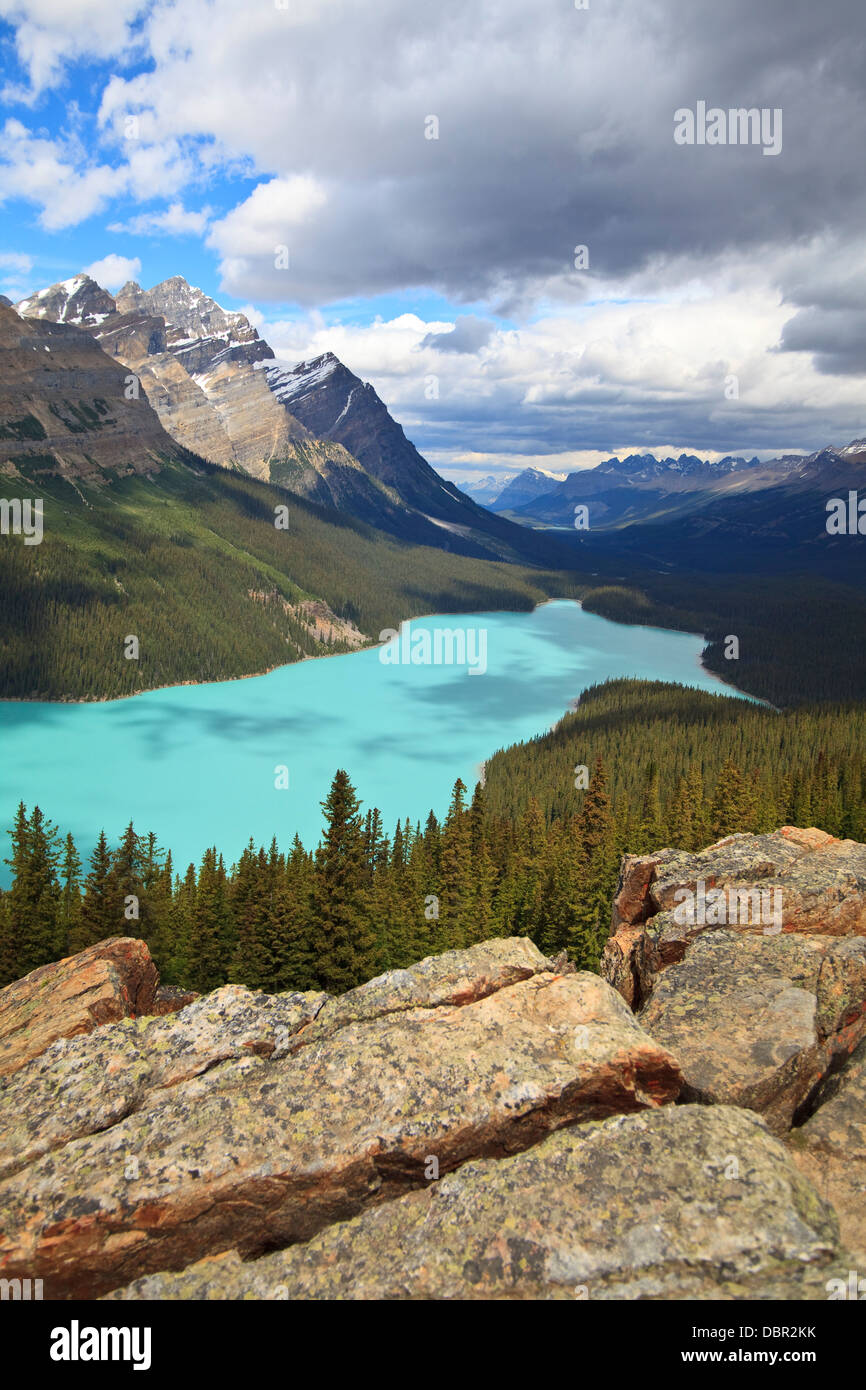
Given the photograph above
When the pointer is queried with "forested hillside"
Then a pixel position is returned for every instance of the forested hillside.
(190, 561)
(799, 635)
(528, 854)
(664, 743)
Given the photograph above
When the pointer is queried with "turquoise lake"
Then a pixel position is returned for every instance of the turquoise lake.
(196, 764)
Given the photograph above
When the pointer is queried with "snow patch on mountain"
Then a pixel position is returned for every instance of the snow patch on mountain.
(292, 383)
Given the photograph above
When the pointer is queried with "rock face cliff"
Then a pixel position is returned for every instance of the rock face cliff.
(138, 341)
(65, 406)
(336, 405)
(485, 1124)
(199, 331)
(193, 361)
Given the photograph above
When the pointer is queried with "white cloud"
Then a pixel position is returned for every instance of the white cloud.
(555, 130)
(47, 172)
(51, 33)
(16, 261)
(68, 186)
(593, 381)
(14, 267)
(256, 236)
(113, 271)
(175, 220)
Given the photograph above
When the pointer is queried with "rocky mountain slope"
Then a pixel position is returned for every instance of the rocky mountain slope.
(64, 406)
(199, 332)
(79, 300)
(194, 362)
(334, 404)
(485, 1124)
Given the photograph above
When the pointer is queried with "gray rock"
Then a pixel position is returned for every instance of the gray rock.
(688, 1202)
(88, 1084)
(261, 1151)
(831, 1149)
(757, 1021)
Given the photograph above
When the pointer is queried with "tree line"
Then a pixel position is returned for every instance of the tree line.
(534, 852)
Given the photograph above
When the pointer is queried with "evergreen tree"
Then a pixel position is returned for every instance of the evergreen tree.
(341, 934)
(299, 959)
(455, 870)
(598, 870)
(651, 833)
(729, 811)
(33, 929)
(181, 963)
(70, 902)
(98, 917)
(126, 887)
(211, 926)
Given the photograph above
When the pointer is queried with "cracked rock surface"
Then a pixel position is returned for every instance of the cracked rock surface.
(262, 1150)
(686, 1202)
(757, 1021)
(831, 1149)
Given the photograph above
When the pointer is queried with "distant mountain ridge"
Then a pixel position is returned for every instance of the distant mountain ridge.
(486, 490)
(525, 487)
(643, 488)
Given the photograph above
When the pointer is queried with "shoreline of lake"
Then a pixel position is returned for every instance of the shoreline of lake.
(371, 646)
(214, 763)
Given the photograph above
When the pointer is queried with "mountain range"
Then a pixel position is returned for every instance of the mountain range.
(525, 487)
(486, 490)
(318, 431)
(314, 429)
(625, 490)
(734, 515)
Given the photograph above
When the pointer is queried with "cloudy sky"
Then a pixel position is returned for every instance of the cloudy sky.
(428, 172)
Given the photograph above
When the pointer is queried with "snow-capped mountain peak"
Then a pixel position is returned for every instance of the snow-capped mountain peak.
(78, 300)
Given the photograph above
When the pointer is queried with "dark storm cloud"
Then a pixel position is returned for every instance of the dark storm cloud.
(835, 337)
(468, 335)
(556, 129)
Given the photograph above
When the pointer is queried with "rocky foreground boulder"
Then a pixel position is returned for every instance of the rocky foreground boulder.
(831, 1148)
(748, 961)
(758, 1021)
(271, 1147)
(485, 1124)
(791, 880)
(686, 1202)
(111, 980)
